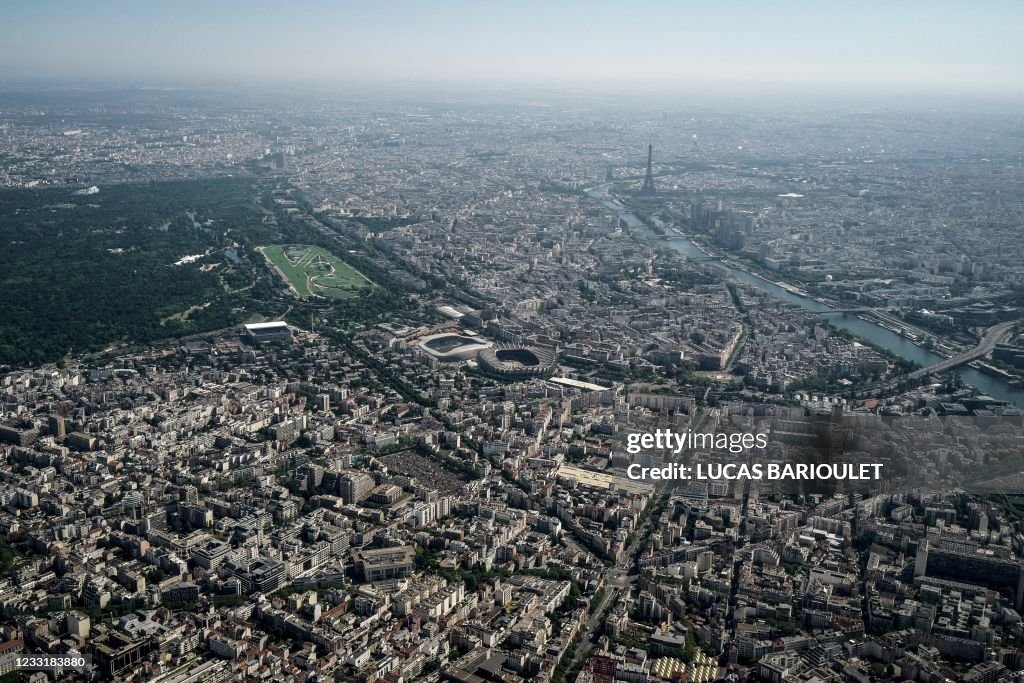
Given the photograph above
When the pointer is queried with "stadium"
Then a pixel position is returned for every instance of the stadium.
(449, 348)
(264, 333)
(517, 361)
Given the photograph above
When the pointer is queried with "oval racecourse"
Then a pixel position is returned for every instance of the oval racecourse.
(312, 271)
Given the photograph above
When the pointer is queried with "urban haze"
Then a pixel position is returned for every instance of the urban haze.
(450, 342)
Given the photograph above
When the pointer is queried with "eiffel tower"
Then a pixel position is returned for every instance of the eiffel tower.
(648, 188)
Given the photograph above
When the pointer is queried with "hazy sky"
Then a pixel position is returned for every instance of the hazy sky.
(924, 46)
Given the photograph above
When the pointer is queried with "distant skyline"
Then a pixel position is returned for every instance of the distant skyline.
(906, 47)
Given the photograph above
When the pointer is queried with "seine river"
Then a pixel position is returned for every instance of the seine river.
(869, 331)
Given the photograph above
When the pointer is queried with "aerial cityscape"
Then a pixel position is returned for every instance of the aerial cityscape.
(488, 384)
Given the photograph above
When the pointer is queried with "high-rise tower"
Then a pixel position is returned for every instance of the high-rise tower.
(648, 187)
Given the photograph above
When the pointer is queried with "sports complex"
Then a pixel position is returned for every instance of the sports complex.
(312, 271)
(516, 361)
(511, 361)
(449, 347)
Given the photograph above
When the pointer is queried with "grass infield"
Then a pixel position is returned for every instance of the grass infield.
(312, 271)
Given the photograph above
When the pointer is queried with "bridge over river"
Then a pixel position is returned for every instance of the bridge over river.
(992, 336)
(858, 325)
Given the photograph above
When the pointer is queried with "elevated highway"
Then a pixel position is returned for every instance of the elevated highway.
(993, 336)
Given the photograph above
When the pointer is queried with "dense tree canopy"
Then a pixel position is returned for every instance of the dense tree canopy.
(81, 272)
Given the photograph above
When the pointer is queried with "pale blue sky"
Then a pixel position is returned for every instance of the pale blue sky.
(936, 46)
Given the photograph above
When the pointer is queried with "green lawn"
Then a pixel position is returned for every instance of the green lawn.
(314, 271)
